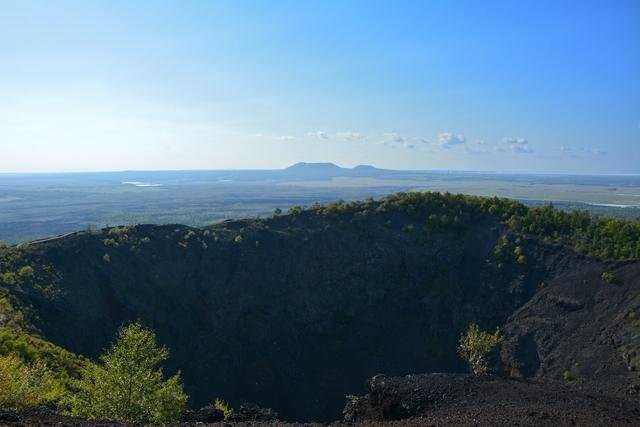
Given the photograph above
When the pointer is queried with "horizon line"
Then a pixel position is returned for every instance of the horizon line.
(470, 171)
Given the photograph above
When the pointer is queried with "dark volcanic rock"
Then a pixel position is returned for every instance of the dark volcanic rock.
(206, 414)
(457, 399)
(291, 313)
(580, 330)
(252, 412)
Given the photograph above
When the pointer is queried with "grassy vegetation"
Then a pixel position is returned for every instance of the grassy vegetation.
(34, 371)
(25, 385)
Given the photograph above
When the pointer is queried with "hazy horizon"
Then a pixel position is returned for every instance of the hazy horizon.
(431, 170)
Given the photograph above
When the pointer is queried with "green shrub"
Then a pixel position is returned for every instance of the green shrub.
(476, 345)
(111, 242)
(567, 377)
(129, 386)
(296, 210)
(26, 272)
(223, 407)
(610, 278)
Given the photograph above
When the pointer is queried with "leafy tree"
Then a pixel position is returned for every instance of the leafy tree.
(129, 386)
(475, 347)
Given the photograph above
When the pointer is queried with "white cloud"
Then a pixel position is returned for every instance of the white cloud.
(350, 136)
(392, 138)
(581, 152)
(594, 151)
(518, 145)
(477, 147)
(286, 138)
(448, 139)
(318, 134)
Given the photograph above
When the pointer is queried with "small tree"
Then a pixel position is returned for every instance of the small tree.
(129, 386)
(475, 346)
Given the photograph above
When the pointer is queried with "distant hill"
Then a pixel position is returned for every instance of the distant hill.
(329, 170)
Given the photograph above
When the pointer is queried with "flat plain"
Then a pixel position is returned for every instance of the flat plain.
(34, 206)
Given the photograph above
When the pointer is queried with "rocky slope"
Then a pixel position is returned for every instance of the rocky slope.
(293, 312)
(580, 329)
(457, 399)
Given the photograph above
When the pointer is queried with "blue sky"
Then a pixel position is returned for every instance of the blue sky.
(510, 86)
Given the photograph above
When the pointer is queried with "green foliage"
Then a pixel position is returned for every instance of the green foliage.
(24, 385)
(111, 242)
(26, 272)
(476, 345)
(277, 212)
(31, 349)
(34, 371)
(296, 210)
(601, 237)
(106, 258)
(567, 377)
(128, 385)
(10, 316)
(452, 213)
(224, 407)
(9, 278)
(610, 278)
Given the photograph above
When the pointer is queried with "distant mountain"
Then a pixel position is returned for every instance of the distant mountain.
(314, 167)
(328, 170)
